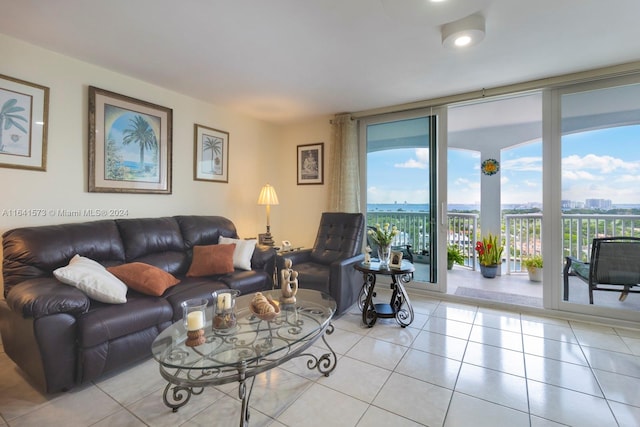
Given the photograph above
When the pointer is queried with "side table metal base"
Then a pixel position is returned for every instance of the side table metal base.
(399, 306)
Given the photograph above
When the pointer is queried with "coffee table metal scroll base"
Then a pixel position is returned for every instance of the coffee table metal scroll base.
(182, 385)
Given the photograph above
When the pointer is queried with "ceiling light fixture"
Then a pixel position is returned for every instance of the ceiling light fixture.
(464, 32)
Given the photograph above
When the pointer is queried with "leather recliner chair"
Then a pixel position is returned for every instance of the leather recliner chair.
(328, 266)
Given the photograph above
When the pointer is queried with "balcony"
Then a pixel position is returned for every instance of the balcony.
(522, 236)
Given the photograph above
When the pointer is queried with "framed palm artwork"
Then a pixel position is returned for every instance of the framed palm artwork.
(129, 144)
(211, 154)
(24, 109)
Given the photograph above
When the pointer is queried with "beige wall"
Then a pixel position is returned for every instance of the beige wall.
(298, 215)
(271, 148)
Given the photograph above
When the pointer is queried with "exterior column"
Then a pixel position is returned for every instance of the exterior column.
(490, 206)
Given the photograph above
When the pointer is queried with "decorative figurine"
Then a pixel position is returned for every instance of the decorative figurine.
(367, 255)
(289, 283)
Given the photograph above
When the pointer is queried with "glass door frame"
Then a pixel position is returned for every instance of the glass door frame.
(552, 152)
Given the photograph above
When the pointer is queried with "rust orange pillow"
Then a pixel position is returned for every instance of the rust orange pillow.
(144, 278)
(212, 259)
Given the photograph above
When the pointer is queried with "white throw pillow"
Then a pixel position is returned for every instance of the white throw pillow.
(93, 279)
(243, 252)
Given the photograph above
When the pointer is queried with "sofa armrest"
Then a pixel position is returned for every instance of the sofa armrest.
(261, 257)
(296, 257)
(45, 296)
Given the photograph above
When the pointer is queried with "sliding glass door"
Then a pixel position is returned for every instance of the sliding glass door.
(400, 181)
(600, 195)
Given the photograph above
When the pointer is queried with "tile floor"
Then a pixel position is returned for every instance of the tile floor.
(456, 365)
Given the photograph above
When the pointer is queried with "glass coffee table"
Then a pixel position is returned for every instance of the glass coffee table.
(247, 349)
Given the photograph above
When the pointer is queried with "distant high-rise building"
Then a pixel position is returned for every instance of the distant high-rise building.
(602, 204)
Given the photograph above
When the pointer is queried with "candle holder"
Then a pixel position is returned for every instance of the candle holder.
(224, 308)
(194, 318)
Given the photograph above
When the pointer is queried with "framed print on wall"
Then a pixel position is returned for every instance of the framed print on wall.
(129, 144)
(24, 110)
(311, 164)
(211, 154)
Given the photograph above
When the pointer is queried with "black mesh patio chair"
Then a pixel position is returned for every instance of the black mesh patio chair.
(614, 266)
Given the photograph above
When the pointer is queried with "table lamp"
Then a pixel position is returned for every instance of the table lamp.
(267, 197)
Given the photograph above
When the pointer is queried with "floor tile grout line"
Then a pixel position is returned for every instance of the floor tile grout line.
(526, 375)
(455, 384)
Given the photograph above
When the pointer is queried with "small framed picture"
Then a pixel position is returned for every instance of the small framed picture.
(211, 154)
(129, 144)
(24, 109)
(311, 164)
(396, 259)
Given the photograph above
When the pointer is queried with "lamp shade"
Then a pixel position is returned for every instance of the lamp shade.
(268, 196)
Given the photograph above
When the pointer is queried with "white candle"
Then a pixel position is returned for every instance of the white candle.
(227, 302)
(195, 320)
(220, 302)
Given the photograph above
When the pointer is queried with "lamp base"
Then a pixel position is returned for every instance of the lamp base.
(265, 239)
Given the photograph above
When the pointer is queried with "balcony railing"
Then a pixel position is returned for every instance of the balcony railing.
(522, 233)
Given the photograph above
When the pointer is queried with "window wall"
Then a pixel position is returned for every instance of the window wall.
(588, 135)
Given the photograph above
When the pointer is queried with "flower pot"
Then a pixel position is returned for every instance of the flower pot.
(535, 274)
(489, 271)
(449, 264)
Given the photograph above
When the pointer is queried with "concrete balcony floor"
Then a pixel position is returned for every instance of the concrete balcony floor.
(516, 288)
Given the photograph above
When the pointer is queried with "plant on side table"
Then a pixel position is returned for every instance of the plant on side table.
(383, 236)
(454, 256)
(490, 255)
(533, 265)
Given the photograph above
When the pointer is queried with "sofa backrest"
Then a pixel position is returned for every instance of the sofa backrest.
(204, 230)
(167, 243)
(33, 252)
(155, 241)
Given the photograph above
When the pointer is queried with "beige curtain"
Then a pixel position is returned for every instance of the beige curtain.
(344, 190)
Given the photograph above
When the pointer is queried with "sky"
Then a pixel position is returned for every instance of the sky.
(599, 164)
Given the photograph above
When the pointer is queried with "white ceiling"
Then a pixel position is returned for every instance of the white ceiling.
(286, 60)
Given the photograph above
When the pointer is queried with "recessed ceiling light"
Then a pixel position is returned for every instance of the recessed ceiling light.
(464, 32)
(462, 41)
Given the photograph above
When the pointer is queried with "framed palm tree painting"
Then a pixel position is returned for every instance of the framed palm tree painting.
(129, 144)
(24, 109)
(211, 159)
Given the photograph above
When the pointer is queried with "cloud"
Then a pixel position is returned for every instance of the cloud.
(411, 164)
(600, 164)
(420, 162)
(580, 175)
(523, 164)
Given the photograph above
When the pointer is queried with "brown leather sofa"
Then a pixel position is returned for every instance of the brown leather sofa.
(60, 337)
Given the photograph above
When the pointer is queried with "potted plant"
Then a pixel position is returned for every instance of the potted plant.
(454, 255)
(490, 255)
(533, 265)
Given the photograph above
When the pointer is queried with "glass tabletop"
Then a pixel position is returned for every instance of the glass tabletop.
(252, 341)
(374, 267)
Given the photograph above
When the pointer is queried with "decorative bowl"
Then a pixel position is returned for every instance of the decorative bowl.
(270, 315)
